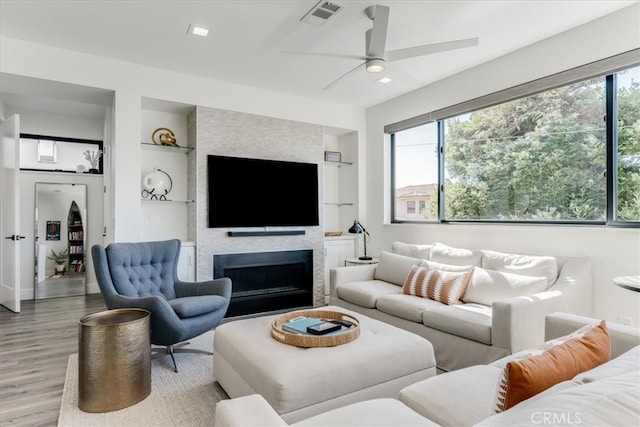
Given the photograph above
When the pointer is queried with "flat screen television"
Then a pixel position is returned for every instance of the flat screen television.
(247, 192)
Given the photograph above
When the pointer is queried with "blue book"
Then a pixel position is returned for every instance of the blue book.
(299, 325)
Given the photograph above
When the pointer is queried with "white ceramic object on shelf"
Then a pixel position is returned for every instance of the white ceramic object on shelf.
(157, 183)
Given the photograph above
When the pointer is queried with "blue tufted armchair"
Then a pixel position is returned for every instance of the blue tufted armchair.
(144, 275)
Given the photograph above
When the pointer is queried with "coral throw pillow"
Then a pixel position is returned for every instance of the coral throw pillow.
(446, 287)
(564, 359)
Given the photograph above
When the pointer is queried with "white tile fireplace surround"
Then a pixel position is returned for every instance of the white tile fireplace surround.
(231, 133)
(267, 281)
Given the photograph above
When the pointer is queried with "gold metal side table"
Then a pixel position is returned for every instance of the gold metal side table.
(114, 359)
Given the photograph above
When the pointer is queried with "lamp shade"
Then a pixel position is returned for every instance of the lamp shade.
(356, 228)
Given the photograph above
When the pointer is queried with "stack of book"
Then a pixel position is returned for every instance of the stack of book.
(314, 326)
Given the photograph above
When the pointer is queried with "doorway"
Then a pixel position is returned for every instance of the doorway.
(60, 240)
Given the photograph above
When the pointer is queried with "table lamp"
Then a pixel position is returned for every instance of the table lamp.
(357, 228)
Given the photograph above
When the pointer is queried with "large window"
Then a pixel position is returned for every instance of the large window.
(416, 177)
(537, 158)
(627, 202)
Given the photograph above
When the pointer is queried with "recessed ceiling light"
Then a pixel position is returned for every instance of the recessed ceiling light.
(197, 30)
(384, 80)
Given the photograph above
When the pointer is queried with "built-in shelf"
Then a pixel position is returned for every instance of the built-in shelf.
(174, 148)
(75, 239)
(338, 204)
(338, 164)
(168, 200)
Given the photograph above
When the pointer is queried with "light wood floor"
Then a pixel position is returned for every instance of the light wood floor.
(34, 347)
(66, 285)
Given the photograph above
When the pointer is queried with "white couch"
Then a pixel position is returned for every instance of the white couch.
(502, 309)
(606, 395)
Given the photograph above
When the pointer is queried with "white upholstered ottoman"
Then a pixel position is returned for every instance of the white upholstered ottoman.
(301, 382)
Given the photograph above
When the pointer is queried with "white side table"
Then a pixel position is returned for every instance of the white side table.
(358, 261)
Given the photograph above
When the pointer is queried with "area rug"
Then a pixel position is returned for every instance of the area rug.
(186, 398)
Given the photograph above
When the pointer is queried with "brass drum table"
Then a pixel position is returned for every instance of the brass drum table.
(114, 359)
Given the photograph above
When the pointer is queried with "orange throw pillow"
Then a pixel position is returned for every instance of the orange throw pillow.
(446, 287)
(523, 378)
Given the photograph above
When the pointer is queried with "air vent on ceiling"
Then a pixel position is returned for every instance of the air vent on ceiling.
(322, 12)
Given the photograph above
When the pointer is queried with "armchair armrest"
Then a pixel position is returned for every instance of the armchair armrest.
(151, 303)
(623, 338)
(220, 286)
(575, 283)
(351, 273)
(518, 323)
(162, 311)
(252, 410)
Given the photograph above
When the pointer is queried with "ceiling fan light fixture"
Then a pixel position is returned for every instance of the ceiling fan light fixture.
(375, 65)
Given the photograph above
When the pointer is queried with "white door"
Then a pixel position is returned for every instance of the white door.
(10, 215)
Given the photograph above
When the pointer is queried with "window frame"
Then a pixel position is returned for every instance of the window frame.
(605, 68)
(87, 142)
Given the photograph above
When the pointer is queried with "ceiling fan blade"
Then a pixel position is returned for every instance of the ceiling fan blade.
(332, 55)
(410, 52)
(377, 38)
(343, 76)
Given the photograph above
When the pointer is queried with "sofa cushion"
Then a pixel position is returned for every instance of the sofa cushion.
(527, 265)
(564, 359)
(457, 398)
(373, 412)
(471, 321)
(366, 293)
(455, 256)
(445, 267)
(443, 286)
(406, 307)
(393, 268)
(411, 250)
(487, 286)
(626, 362)
(609, 401)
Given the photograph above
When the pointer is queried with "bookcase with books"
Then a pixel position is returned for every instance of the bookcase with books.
(75, 236)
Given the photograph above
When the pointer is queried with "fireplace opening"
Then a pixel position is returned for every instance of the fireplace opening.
(267, 281)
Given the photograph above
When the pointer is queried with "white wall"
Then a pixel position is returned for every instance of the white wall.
(613, 251)
(55, 124)
(131, 83)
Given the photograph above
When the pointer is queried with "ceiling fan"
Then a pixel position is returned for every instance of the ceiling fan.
(376, 56)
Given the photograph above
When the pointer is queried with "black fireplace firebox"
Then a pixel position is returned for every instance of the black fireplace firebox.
(267, 281)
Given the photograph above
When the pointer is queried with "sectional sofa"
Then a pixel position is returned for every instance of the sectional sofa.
(474, 306)
(606, 394)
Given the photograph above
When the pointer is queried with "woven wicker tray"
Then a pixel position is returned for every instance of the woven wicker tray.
(302, 340)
